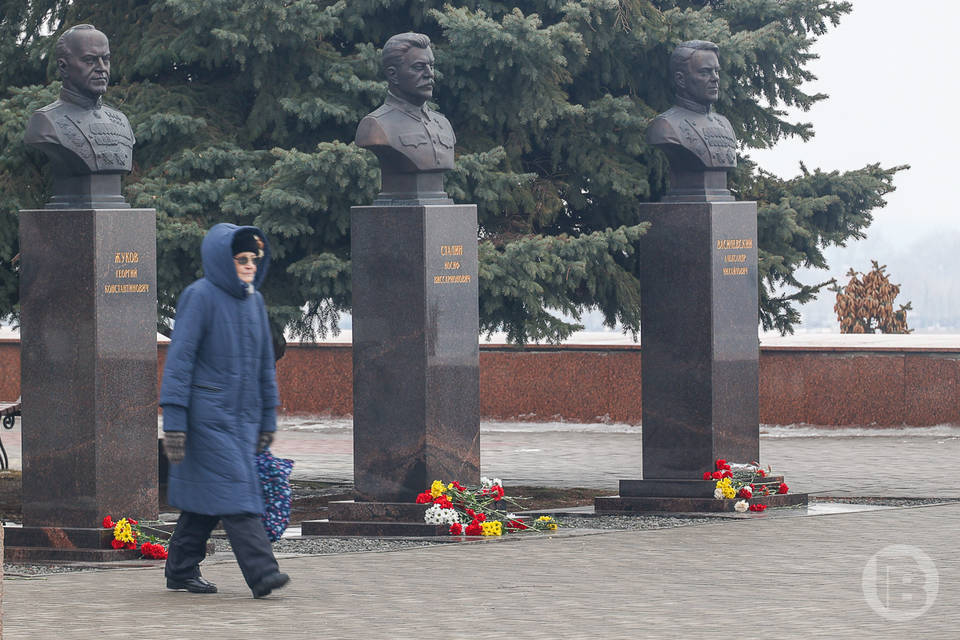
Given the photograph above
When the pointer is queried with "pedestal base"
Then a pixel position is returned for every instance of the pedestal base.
(62, 544)
(627, 505)
(688, 496)
(374, 519)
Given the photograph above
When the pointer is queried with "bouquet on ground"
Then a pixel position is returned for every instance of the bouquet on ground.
(743, 481)
(481, 511)
(128, 534)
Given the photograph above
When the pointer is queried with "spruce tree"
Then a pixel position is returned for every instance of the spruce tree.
(245, 112)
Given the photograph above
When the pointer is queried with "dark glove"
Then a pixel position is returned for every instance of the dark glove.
(265, 440)
(175, 446)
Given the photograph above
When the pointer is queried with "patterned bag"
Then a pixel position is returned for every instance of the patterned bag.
(275, 479)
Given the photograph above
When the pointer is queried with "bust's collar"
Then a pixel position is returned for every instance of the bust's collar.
(420, 113)
(692, 105)
(80, 100)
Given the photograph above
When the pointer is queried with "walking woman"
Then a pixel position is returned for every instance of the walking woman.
(219, 401)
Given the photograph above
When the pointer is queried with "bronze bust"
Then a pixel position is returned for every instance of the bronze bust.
(413, 143)
(699, 143)
(90, 145)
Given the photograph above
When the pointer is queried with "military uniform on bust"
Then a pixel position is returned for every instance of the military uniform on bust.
(90, 145)
(419, 138)
(706, 135)
(413, 143)
(82, 135)
(699, 143)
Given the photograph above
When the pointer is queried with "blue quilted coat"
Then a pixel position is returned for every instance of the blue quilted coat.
(219, 384)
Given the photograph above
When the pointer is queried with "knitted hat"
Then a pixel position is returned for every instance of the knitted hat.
(247, 240)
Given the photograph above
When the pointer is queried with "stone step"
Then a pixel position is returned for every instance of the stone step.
(628, 504)
(371, 528)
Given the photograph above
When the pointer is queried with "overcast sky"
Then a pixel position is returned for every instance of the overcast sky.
(888, 69)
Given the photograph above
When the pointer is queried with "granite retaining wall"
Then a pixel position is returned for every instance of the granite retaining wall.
(826, 386)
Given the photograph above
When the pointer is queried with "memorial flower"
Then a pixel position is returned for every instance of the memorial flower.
(743, 482)
(477, 511)
(128, 534)
(758, 507)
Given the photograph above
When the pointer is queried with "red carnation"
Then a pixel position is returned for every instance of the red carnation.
(721, 463)
(444, 502)
(474, 529)
(132, 521)
(456, 529)
(758, 507)
(745, 493)
(108, 523)
(783, 488)
(727, 474)
(130, 545)
(706, 475)
(499, 491)
(762, 473)
(116, 544)
(424, 498)
(480, 517)
(517, 524)
(716, 475)
(471, 512)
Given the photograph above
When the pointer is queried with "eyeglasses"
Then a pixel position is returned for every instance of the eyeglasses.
(245, 260)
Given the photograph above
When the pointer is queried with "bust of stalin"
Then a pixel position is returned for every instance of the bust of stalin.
(413, 143)
(695, 139)
(82, 136)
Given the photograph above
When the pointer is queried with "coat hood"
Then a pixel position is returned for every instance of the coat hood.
(218, 259)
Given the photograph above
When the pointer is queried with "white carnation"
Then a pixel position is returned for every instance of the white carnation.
(718, 493)
(436, 514)
(741, 506)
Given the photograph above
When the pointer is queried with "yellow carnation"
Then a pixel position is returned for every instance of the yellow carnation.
(437, 489)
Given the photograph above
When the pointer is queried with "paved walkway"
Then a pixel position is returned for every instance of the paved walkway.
(797, 577)
(765, 577)
(904, 462)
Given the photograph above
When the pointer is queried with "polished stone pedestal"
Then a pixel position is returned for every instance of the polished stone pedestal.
(88, 375)
(699, 336)
(415, 349)
(700, 380)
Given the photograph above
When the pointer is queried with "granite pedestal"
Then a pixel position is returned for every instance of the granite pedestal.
(700, 348)
(88, 378)
(415, 351)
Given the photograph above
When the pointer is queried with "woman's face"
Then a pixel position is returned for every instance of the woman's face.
(246, 264)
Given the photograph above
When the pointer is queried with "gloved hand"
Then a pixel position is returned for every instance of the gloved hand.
(265, 440)
(175, 446)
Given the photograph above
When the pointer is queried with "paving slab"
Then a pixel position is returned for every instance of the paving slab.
(763, 577)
